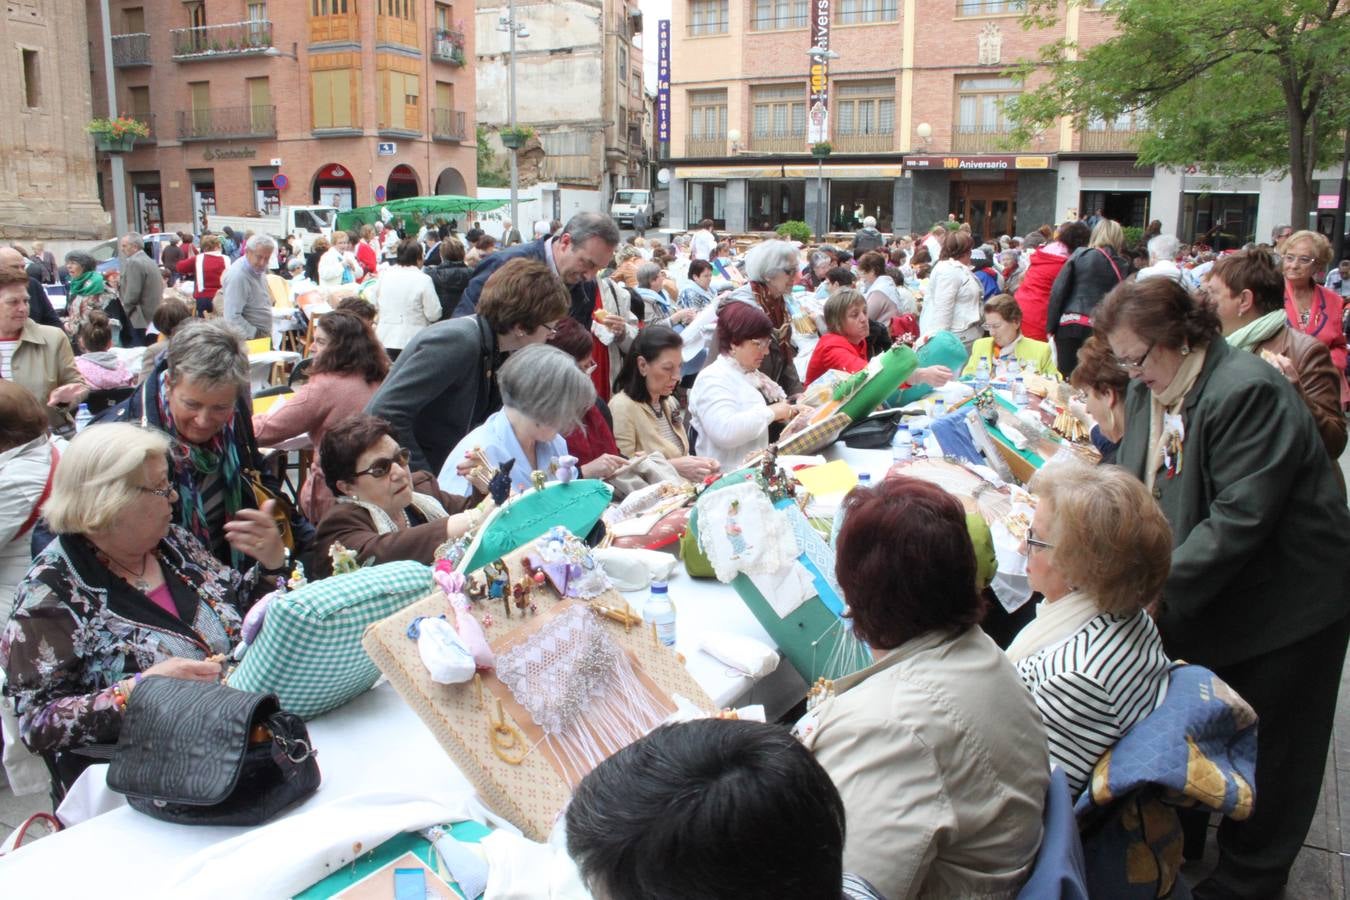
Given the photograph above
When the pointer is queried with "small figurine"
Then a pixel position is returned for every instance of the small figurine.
(538, 479)
(499, 486)
(343, 560)
(567, 469)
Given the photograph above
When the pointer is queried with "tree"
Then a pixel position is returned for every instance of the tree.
(1252, 88)
(489, 174)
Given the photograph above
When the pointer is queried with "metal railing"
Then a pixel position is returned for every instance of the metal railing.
(448, 125)
(1111, 139)
(447, 46)
(790, 142)
(705, 145)
(779, 23)
(225, 122)
(863, 143)
(700, 29)
(130, 50)
(989, 7)
(231, 39)
(978, 139)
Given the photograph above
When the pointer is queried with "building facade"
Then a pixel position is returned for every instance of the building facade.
(912, 108)
(255, 104)
(579, 85)
(48, 184)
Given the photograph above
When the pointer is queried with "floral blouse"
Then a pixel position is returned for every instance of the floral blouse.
(78, 629)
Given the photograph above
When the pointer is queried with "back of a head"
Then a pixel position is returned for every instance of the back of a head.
(766, 258)
(646, 274)
(740, 322)
(1108, 234)
(96, 332)
(1164, 246)
(712, 809)
(1074, 234)
(546, 385)
(171, 313)
(956, 245)
(869, 222)
(1255, 271)
(22, 418)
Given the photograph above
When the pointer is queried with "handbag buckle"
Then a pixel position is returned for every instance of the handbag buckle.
(297, 751)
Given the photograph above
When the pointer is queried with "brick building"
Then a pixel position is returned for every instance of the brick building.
(915, 124)
(48, 187)
(347, 100)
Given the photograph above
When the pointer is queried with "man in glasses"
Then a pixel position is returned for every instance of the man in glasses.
(576, 256)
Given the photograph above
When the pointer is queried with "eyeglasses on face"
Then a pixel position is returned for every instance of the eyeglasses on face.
(1301, 260)
(168, 493)
(551, 328)
(762, 343)
(1034, 542)
(380, 468)
(1134, 364)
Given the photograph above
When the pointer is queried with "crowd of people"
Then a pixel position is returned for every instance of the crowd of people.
(1214, 387)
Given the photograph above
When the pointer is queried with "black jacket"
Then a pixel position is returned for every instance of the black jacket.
(583, 293)
(39, 307)
(1085, 279)
(450, 279)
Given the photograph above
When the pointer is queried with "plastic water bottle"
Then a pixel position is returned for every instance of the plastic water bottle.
(864, 479)
(982, 374)
(920, 444)
(660, 614)
(902, 447)
(1019, 391)
(82, 417)
(1014, 369)
(939, 409)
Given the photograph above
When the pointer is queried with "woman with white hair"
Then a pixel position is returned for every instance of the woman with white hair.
(120, 594)
(544, 396)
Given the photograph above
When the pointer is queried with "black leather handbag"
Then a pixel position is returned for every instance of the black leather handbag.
(205, 754)
(874, 432)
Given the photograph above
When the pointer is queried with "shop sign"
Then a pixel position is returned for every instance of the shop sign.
(980, 163)
(1113, 168)
(1328, 201)
(386, 148)
(211, 153)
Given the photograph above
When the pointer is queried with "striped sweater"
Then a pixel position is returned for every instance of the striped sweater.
(1093, 686)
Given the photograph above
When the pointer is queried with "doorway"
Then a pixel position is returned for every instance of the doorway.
(989, 207)
(1129, 208)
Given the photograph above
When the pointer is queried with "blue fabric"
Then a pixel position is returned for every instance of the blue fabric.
(498, 442)
(953, 436)
(1059, 871)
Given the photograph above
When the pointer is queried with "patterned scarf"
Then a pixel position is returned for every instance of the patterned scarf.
(776, 309)
(196, 463)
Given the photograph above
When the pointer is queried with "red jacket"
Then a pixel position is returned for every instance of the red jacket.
(835, 352)
(213, 266)
(1324, 324)
(1033, 295)
(593, 439)
(365, 255)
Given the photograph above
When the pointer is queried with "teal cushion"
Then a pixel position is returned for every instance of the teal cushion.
(942, 349)
(309, 649)
(575, 506)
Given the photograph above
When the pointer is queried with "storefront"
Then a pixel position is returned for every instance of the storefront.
(1122, 190)
(334, 186)
(762, 197)
(995, 194)
(1221, 221)
(147, 202)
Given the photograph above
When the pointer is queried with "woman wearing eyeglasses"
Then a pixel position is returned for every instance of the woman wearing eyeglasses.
(382, 512)
(1098, 549)
(1313, 309)
(121, 593)
(1257, 587)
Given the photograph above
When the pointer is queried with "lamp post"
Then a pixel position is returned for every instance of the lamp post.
(822, 56)
(117, 173)
(513, 30)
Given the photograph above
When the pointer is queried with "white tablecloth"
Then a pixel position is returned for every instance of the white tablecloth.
(260, 366)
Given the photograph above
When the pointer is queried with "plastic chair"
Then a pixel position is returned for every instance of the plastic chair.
(1059, 870)
(280, 289)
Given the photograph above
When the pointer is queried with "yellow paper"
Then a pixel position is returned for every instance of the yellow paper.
(264, 404)
(836, 477)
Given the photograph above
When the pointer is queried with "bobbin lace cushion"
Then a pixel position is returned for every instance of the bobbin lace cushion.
(556, 673)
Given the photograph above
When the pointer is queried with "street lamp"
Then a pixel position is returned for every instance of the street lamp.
(513, 29)
(822, 56)
(925, 133)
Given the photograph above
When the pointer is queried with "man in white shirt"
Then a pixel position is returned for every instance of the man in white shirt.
(1162, 255)
(703, 242)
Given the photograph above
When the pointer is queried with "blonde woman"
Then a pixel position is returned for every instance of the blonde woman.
(1085, 279)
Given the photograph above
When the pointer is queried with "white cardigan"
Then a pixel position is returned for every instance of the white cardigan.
(407, 301)
(953, 299)
(729, 413)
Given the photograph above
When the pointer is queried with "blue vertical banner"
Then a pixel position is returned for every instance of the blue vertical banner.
(818, 109)
(663, 86)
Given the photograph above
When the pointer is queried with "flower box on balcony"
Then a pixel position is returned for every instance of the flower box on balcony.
(116, 135)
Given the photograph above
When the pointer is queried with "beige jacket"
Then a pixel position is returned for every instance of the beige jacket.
(940, 755)
(636, 429)
(42, 362)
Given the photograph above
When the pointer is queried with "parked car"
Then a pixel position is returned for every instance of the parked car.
(105, 252)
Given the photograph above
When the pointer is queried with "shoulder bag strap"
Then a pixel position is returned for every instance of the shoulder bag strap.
(1114, 267)
(42, 498)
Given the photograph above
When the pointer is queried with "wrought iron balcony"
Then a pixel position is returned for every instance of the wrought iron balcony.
(979, 139)
(130, 50)
(227, 122)
(1111, 139)
(447, 125)
(705, 145)
(786, 142)
(214, 41)
(863, 143)
(447, 46)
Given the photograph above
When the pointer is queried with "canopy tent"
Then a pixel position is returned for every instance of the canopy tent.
(415, 209)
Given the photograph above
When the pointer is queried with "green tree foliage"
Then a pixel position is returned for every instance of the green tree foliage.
(1252, 88)
(490, 173)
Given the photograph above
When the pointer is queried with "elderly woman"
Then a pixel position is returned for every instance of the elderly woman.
(544, 394)
(85, 292)
(1103, 383)
(733, 402)
(348, 367)
(936, 748)
(647, 418)
(592, 441)
(1003, 321)
(698, 292)
(1043, 267)
(205, 269)
(121, 593)
(1257, 588)
(818, 264)
(383, 512)
(1098, 549)
(37, 357)
(952, 302)
(198, 393)
(656, 303)
(406, 298)
(1246, 290)
(1080, 285)
(338, 265)
(1313, 309)
(884, 299)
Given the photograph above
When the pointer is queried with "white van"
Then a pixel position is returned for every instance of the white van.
(628, 202)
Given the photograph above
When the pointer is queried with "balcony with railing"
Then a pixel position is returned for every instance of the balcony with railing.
(447, 46)
(980, 139)
(1110, 139)
(705, 145)
(863, 143)
(130, 50)
(218, 123)
(214, 41)
(990, 7)
(448, 125)
(780, 142)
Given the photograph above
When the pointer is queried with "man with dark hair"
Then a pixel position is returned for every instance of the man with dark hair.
(576, 256)
(712, 808)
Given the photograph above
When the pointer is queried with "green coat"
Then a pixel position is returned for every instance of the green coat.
(1258, 517)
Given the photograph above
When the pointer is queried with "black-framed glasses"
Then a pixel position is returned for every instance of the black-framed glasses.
(381, 467)
(1135, 364)
(552, 331)
(1033, 541)
(167, 493)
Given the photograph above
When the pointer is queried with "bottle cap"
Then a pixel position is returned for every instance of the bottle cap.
(659, 587)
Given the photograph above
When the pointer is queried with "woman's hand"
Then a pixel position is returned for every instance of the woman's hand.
(253, 532)
(603, 466)
(1078, 409)
(1285, 365)
(695, 468)
(177, 667)
(616, 324)
(459, 523)
(782, 411)
(683, 316)
(68, 393)
(935, 376)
